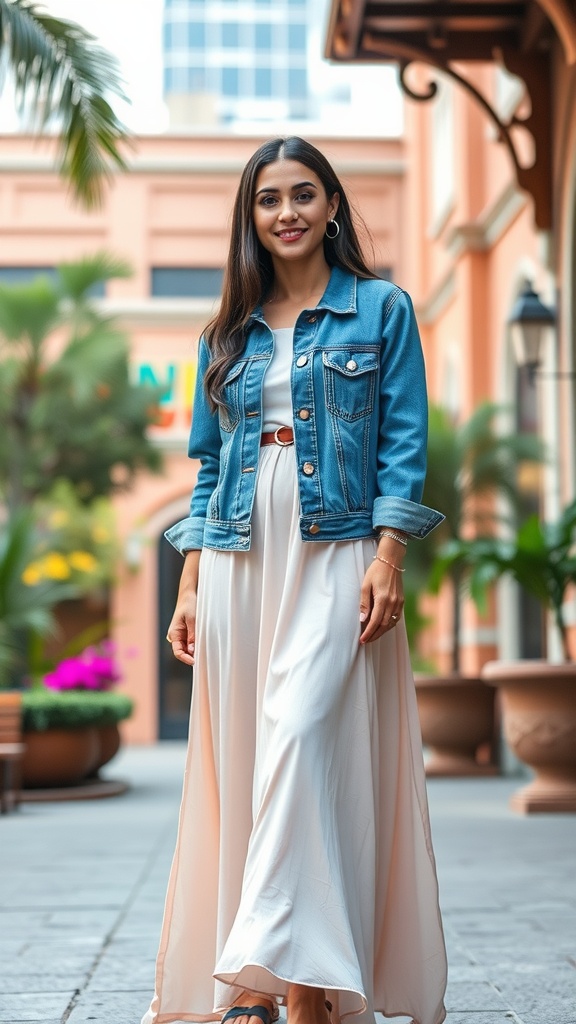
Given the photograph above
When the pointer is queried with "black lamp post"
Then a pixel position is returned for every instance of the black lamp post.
(529, 320)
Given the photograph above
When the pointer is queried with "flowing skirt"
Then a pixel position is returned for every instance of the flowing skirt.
(304, 851)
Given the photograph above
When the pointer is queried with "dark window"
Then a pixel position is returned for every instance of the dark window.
(23, 275)
(187, 282)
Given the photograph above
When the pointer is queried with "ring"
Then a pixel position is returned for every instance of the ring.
(394, 617)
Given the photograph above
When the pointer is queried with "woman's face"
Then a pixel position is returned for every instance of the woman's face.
(291, 210)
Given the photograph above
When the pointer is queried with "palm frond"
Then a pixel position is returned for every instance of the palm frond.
(63, 76)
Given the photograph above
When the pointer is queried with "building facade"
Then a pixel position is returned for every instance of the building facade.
(169, 218)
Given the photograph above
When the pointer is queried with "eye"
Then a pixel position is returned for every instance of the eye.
(268, 201)
(305, 197)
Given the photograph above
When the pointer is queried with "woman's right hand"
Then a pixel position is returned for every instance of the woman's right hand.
(182, 629)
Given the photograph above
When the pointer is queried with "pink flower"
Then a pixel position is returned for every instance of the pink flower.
(93, 669)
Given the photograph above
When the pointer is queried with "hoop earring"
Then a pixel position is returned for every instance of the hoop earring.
(336, 225)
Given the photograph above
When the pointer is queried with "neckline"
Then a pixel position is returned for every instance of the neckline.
(278, 330)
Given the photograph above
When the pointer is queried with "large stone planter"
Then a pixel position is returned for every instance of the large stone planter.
(538, 702)
(59, 757)
(457, 722)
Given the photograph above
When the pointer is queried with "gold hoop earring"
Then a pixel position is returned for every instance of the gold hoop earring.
(337, 231)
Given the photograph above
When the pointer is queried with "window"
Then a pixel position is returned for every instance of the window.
(263, 82)
(196, 35)
(178, 35)
(297, 83)
(186, 282)
(297, 38)
(230, 34)
(230, 82)
(196, 79)
(263, 36)
(24, 275)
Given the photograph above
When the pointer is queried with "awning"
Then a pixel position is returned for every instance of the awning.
(448, 33)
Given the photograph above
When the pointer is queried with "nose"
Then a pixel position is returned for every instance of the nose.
(287, 213)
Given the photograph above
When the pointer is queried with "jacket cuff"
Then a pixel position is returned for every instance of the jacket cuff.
(187, 535)
(402, 514)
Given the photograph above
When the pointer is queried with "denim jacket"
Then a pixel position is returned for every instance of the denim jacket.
(359, 418)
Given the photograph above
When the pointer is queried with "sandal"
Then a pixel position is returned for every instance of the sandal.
(266, 1016)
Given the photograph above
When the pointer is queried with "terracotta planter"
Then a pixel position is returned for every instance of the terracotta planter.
(59, 757)
(457, 722)
(539, 715)
(108, 743)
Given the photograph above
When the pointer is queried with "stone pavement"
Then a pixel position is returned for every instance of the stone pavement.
(82, 888)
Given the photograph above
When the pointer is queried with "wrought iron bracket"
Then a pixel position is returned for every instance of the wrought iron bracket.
(534, 70)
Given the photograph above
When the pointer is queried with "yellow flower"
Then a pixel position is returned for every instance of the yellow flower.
(55, 566)
(32, 574)
(83, 561)
(100, 534)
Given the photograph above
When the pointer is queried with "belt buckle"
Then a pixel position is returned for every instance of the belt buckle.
(279, 442)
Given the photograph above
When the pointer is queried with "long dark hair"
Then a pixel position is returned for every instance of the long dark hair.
(249, 271)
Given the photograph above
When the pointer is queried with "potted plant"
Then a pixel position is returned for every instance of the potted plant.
(538, 698)
(70, 722)
(469, 465)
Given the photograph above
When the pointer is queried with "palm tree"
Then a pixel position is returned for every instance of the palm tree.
(62, 77)
(75, 415)
(470, 466)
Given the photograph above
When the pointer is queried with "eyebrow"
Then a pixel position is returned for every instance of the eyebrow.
(300, 184)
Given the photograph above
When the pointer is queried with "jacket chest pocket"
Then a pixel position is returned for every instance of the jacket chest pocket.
(350, 382)
(229, 414)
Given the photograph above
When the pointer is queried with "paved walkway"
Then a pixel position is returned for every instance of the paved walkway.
(82, 887)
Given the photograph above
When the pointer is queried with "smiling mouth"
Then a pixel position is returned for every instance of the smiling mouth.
(291, 235)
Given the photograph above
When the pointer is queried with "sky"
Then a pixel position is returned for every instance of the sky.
(132, 30)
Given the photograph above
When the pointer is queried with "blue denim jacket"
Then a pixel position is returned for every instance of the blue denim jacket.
(360, 423)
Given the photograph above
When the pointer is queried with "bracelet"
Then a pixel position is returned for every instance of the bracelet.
(395, 536)
(380, 559)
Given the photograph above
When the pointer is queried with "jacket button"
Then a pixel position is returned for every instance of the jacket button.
(302, 360)
(351, 364)
(314, 528)
(312, 319)
(308, 468)
(304, 414)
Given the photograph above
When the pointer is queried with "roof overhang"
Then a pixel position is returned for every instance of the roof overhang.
(448, 33)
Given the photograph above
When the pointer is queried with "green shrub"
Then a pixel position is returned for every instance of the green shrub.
(43, 709)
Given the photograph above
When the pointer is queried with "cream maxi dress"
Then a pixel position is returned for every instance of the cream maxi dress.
(304, 850)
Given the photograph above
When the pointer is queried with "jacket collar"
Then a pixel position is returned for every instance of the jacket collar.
(339, 297)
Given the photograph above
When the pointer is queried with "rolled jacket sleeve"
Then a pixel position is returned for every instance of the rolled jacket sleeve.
(204, 444)
(403, 431)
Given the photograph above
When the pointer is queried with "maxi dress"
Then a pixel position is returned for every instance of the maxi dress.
(304, 851)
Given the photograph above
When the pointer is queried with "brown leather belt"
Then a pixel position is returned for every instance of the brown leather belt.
(283, 437)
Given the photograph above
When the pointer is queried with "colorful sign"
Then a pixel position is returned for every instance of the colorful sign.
(177, 381)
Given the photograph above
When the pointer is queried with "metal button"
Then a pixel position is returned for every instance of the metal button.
(308, 468)
(314, 528)
(351, 364)
(304, 414)
(302, 360)
(312, 319)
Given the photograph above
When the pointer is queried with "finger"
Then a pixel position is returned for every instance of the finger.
(376, 616)
(183, 652)
(387, 623)
(365, 601)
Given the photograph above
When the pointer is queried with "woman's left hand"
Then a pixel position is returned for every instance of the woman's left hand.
(381, 601)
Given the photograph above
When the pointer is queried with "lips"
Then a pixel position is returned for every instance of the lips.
(291, 234)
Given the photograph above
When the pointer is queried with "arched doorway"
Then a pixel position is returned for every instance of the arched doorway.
(174, 678)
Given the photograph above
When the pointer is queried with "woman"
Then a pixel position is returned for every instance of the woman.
(304, 873)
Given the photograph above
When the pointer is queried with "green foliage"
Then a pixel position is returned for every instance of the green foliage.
(43, 709)
(24, 610)
(62, 78)
(541, 557)
(467, 462)
(69, 412)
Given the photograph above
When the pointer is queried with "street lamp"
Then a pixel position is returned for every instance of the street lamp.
(529, 320)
